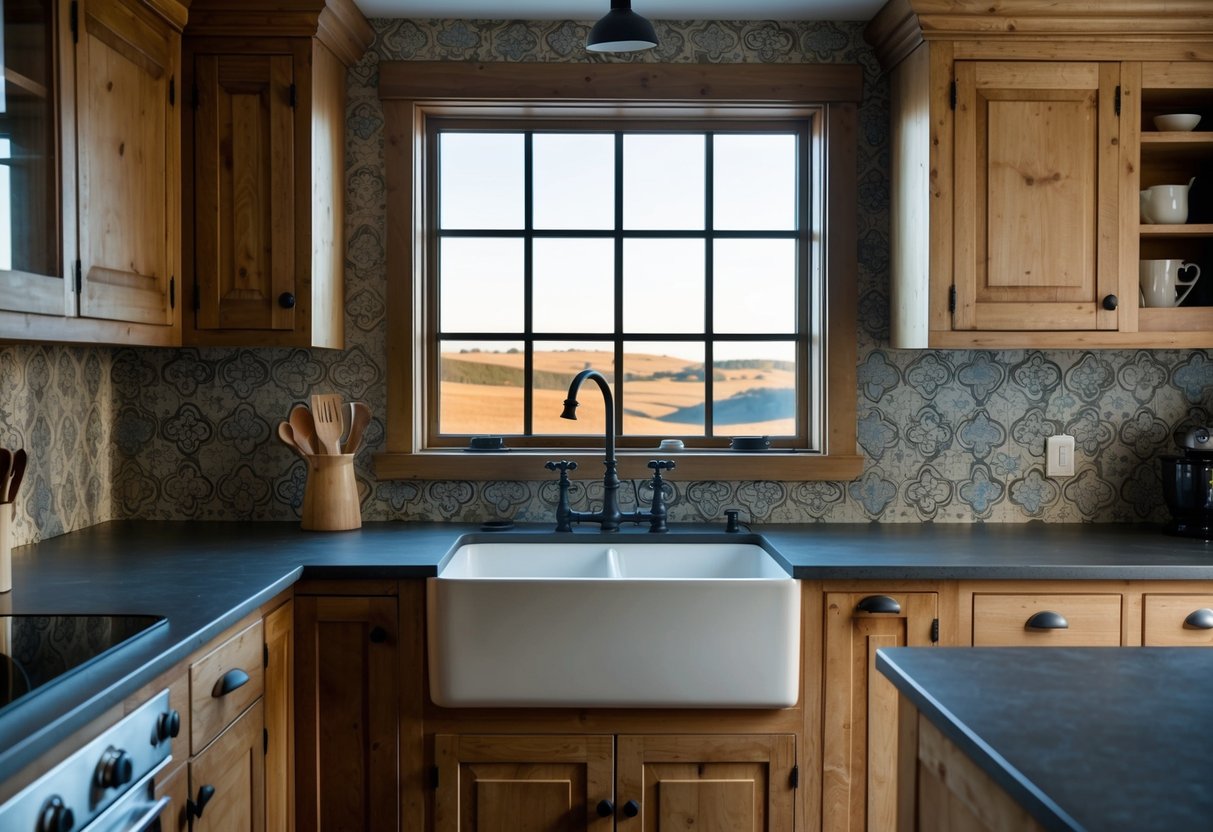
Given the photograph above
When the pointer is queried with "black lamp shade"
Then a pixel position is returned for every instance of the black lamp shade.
(621, 30)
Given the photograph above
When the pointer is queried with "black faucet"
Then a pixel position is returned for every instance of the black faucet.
(610, 516)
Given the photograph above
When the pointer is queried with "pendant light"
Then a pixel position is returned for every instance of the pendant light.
(621, 30)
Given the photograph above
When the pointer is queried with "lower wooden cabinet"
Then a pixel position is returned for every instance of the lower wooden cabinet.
(859, 742)
(717, 783)
(280, 719)
(176, 787)
(1177, 621)
(227, 780)
(346, 714)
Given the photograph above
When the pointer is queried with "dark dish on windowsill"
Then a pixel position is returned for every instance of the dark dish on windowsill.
(486, 444)
(750, 443)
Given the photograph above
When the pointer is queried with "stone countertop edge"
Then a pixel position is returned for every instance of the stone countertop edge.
(1022, 790)
(207, 576)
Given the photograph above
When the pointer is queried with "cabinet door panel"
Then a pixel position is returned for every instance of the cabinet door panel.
(346, 731)
(234, 766)
(128, 162)
(1036, 228)
(522, 783)
(709, 783)
(279, 719)
(859, 749)
(244, 191)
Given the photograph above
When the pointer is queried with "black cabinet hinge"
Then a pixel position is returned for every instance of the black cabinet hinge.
(265, 740)
(79, 277)
(74, 21)
(434, 778)
(292, 94)
(172, 292)
(794, 777)
(952, 94)
(952, 298)
(172, 91)
(934, 630)
(197, 296)
(1116, 100)
(265, 655)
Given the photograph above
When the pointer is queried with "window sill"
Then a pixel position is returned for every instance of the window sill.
(527, 464)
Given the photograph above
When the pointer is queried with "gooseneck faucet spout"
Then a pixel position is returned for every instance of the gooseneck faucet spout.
(610, 516)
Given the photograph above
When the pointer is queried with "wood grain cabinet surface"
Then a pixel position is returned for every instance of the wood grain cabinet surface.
(265, 171)
(1017, 161)
(101, 261)
(227, 780)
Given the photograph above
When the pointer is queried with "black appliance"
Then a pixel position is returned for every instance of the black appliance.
(1187, 485)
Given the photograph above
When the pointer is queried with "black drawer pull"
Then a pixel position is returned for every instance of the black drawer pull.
(378, 635)
(1199, 620)
(229, 682)
(880, 604)
(605, 809)
(194, 808)
(631, 808)
(1047, 620)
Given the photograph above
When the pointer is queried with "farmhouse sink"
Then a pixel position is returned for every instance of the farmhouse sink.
(614, 624)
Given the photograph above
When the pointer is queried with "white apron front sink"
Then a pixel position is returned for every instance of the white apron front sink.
(614, 624)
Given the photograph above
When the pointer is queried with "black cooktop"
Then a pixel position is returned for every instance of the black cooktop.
(39, 650)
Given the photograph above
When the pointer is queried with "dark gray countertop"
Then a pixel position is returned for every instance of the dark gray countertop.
(1084, 738)
(206, 576)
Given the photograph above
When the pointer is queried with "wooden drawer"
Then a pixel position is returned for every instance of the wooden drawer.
(235, 665)
(1002, 620)
(1177, 621)
(229, 779)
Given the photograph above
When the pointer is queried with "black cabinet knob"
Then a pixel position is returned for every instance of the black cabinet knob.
(1110, 302)
(55, 817)
(1047, 620)
(378, 635)
(286, 300)
(879, 604)
(228, 682)
(193, 808)
(114, 770)
(605, 808)
(631, 808)
(168, 725)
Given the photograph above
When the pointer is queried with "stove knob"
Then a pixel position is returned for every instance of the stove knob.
(114, 770)
(168, 725)
(55, 817)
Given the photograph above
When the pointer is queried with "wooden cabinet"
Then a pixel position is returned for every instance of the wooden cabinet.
(90, 216)
(1040, 619)
(280, 719)
(227, 780)
(1017, 161)
(265, 150)
(716, 783)
(346, 706)
(1177, 620)
(859, 739)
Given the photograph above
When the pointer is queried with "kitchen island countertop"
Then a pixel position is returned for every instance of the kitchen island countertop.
(206, 576)
(1091, 738)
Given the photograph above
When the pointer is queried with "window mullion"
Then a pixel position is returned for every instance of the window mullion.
(528, 290)
(617, 374)
(709, 220)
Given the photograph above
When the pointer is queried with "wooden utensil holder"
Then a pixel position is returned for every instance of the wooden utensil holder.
(6, 547)
(330, 501)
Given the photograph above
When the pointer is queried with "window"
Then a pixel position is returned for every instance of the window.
(682, 250)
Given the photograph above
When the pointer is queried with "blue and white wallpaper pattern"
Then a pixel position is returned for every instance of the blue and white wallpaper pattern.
(950, 436)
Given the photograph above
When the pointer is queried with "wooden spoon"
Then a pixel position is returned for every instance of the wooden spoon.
(287, 435)
(360, 417)
(20, 459)
(6, 469)
(303, 428)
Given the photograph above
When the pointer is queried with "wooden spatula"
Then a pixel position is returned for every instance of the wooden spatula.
(326, 413)
(20, 459)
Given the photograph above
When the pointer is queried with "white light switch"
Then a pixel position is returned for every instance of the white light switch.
(1059, 456)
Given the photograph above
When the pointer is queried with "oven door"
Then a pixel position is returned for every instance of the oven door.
(137, 810)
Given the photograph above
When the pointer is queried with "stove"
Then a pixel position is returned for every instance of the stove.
(40, 650)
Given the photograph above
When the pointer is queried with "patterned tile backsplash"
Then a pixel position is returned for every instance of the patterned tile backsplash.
(950, 436)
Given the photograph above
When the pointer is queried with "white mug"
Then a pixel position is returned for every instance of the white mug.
(1165, 204)
(1160, 281)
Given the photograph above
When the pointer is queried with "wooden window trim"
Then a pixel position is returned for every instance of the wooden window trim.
(411, 91)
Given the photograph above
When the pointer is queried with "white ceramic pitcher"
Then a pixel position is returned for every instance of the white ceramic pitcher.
(1160, 282)
(1166, 204)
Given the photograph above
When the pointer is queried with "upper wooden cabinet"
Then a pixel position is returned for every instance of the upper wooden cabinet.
(90, 193)
(265, 182)
(1021, 136)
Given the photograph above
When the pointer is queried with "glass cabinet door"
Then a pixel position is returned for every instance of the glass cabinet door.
(32, 170)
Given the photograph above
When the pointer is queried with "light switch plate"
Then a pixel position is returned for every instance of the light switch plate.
(1059, 456)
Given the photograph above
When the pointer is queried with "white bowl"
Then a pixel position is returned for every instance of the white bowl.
(1176, 122)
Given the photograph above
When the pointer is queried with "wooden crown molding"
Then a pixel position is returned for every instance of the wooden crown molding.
(901, 25)
(338, 24)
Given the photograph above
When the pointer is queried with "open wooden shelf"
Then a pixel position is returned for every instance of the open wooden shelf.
(1176, 137)
(24, 83)
(1179, 319)
(1186, 230)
